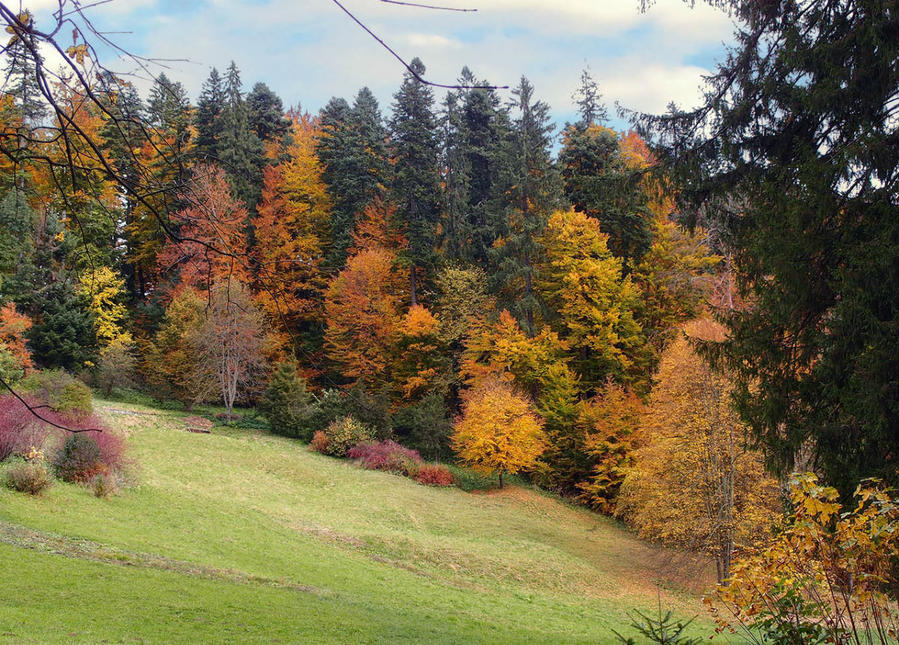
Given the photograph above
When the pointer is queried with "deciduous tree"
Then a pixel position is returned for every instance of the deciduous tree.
(498, 431)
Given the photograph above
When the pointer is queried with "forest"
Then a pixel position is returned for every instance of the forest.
(688, 325)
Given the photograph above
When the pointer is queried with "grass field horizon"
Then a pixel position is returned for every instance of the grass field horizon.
(242, 536)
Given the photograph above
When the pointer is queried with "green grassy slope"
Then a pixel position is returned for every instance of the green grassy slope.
(244, 537)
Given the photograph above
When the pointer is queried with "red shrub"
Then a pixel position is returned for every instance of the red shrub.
(19, 429)
(112, 446)
(434, 475)
(386, 455)
(319, 442)
(84, 455)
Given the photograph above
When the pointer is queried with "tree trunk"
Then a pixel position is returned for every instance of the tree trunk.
(412, 291)
(500, 479)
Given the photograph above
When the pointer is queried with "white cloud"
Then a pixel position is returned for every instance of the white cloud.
(308, 50)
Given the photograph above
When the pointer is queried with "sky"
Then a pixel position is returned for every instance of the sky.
(308, 50)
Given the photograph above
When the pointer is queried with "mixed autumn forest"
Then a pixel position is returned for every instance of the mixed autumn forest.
(688, 326)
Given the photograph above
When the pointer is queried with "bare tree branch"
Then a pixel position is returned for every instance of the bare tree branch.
(408, 67)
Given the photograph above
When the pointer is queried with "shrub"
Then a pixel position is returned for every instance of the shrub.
(29, 477)
(286, 403)
(117, 367)
(61, 391)
(319, 442)
(434, 475)
(386, 455)
(827, 575)
(84, 455)
(11, 368)
(370, 409)
(78, 459)
(344, 434)
(103, 485)
(19, 429)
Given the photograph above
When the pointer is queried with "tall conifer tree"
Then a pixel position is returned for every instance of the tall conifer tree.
(416, 182)
(530, 187)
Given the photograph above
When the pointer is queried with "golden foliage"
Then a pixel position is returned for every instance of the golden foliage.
(498, 431)
(825, 576)
(419, 352)
(694, 483)
(611, 421)
(291, 231)
(582, 282)
(103, 288)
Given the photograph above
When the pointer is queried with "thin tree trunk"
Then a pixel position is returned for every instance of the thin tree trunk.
(412, 286)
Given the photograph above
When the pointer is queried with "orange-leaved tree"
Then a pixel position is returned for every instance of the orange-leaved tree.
(291, 232)
(362, 313)
(611, 423)
(420, 353)
(211, 245)
(498, 431)
(13, 326)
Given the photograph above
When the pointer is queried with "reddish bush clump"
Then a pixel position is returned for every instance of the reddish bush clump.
(434, 475)
(84, 455)
(319, 442)
(386, 455)
(19, 429)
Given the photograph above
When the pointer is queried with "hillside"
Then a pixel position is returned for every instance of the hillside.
(240, 536)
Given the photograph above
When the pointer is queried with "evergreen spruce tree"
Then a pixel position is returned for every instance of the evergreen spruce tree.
(530, 186)
(475, 129)
(16, 242)
(794, 157)
(353, 151)
(208, 116)
(598, 182)
(456, 242)
(589, 102)
(168, 111)
(28, 109)
(239, 149)
(416, 181)
(63, 332)
(266, 114)
(286, 403)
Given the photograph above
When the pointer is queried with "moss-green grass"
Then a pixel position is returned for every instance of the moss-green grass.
(240, 536)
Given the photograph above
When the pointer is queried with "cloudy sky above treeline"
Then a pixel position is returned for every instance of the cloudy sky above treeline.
(309, 50)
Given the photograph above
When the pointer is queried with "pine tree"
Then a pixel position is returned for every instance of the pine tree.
(599, 182)
(589, 102)
(239, 149)
(529, 184)
(352, 148)
(456, 234)
(476, 127)
(21, 84)
(794, 156)
(208, 116)
(266, 114)
(168, 111)
(416, 182)
(63, 332)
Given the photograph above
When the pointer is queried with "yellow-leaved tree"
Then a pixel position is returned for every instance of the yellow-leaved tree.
(593, 304)
(420, 355)
(498, 431)
(695, 484)
(104, 288)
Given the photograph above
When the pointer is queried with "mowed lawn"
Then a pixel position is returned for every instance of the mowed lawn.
(244, 537)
